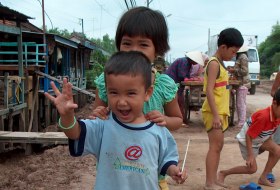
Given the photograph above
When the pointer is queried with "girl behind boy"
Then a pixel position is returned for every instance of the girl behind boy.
(145, 30)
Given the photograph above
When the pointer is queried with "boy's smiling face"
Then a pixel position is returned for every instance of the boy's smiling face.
(126, 96)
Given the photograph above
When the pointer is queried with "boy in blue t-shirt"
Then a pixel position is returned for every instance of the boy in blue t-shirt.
(131, 151)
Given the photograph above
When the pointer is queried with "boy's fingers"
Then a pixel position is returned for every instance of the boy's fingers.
(50, 97)
(55, 89)
(73, 106)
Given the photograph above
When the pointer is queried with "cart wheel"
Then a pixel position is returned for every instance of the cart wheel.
(187, 105)
(232, 108)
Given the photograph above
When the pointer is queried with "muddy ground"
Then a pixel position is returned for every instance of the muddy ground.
(53, 168)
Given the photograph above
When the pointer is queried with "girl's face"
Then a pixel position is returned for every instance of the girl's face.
(138, 43)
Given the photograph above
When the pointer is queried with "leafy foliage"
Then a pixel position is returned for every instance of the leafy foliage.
(64, 33)
(269, 51)
(96, 68)
(106, 43)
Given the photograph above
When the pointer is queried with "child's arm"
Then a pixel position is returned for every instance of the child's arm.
(172, 119)
(212, 72)
(98, 101)
(100, 112)
(250, 162)
(65, 106)
(98, 108)
(174, 172)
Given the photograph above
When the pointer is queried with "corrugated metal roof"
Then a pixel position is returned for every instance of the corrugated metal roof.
(10, 14)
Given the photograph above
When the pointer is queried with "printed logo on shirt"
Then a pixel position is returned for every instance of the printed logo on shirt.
(133, 152)
(131, 166)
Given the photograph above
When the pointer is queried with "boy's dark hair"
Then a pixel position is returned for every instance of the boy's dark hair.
(145, 22)
(130, 63)
(230, 37)
(276, 96)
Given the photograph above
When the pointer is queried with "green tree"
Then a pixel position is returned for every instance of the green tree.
(96, 68)
(269, 52)
(64, 33)
(106, 43)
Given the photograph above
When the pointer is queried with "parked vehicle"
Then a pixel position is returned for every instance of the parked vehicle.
(254, 62)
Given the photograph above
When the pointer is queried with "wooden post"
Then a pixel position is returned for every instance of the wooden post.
(20, 62)
(6, 90)
(33, 124)
(2, 145)
(47, 111)
(10, 127)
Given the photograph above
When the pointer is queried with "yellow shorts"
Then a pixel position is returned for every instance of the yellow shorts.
(208, 121)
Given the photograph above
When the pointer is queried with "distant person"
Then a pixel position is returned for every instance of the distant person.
(181, 69)
(255, 138)
(215, 109)
(205, 59)
(240, 72)
(131, 151)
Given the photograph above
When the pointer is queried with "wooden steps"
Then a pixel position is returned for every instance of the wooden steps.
(33, 137)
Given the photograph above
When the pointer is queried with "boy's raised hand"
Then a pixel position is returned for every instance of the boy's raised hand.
(63, 100)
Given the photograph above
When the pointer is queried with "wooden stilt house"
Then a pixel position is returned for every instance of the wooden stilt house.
(26, 68)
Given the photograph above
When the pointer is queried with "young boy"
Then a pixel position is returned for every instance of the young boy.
(255, 138)
(131, 151)
(215, 109)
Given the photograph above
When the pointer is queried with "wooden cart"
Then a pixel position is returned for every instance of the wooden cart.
(194, 97)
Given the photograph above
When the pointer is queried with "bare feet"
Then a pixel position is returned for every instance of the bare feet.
(222, 184)
(221, 177)
(185, 125)
(265, 182)
(216, 187)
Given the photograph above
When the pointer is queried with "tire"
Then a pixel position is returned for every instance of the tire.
(252, 89)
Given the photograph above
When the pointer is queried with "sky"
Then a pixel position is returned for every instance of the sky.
(189, 21)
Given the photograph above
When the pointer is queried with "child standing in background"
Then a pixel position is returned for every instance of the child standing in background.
(215, 109)
(145, 30)
(131, 151)
(241, 73)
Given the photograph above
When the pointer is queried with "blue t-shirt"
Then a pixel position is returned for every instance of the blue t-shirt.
(130, 156)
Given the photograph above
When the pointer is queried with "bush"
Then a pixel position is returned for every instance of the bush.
(91, 74)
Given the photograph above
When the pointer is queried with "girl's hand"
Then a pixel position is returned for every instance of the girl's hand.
(217, 123)
(64, 100)
(175, 173)
(156, 117)
(100, 112)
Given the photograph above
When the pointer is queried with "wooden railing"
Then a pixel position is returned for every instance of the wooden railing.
(32, 53)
